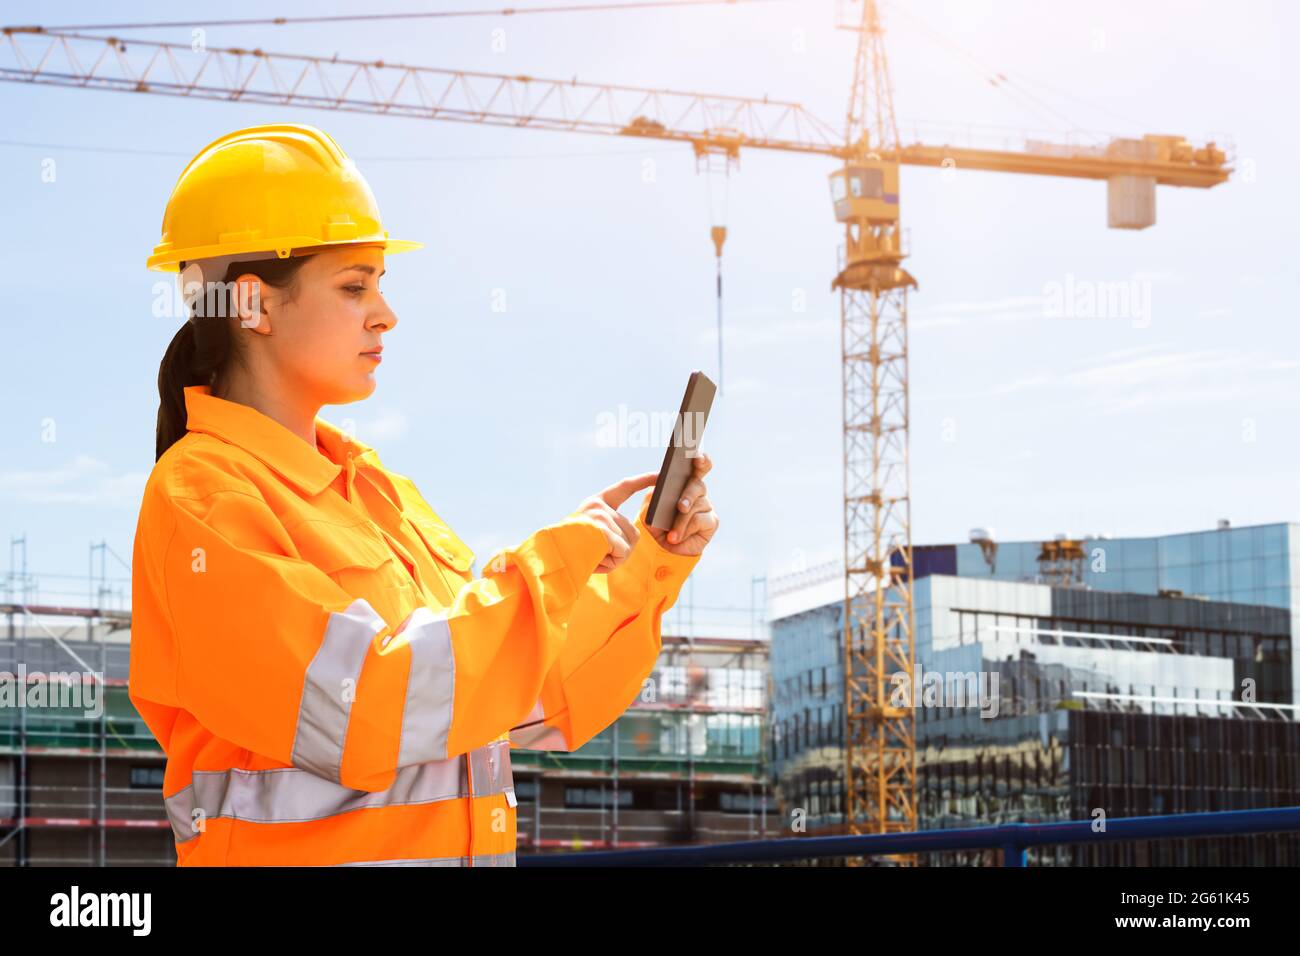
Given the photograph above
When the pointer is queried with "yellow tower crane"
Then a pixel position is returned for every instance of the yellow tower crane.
(880, 742)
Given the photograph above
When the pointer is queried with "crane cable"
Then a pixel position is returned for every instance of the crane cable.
(940, 37)
(428, 15)
(718, 232)
(998, 79)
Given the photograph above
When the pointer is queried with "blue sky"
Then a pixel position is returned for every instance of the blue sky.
(1022, 421)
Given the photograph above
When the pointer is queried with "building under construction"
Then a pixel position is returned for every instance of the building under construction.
(1070, 680)
(81, 776)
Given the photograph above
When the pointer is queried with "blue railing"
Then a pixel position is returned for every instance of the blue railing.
(1013, 839)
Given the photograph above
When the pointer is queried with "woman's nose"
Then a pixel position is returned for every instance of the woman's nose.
(385, 317)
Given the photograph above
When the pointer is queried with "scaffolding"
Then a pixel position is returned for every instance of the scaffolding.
(72, 790)
(685, 764)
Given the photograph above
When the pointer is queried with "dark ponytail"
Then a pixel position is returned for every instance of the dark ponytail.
(204, 348)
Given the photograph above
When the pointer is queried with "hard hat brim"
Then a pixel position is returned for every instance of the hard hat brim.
(169, 260)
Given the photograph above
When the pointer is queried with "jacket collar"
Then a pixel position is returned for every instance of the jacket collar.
(338, 444)
(280, 449)
(267, 440)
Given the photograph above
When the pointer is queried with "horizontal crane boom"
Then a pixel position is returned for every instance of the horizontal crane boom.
(710, 122)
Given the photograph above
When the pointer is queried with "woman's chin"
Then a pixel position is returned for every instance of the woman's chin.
(355, 391)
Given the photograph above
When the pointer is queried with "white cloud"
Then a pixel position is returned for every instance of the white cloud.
(764, 328)
(1150, 376)
(1016, 309)
(763, 331)
(84, 480)
(386, 426)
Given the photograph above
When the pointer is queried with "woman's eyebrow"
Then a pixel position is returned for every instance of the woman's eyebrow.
(361, 267)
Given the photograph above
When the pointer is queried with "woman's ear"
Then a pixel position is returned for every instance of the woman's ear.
(249, 304)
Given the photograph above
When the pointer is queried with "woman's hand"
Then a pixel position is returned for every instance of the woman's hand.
(603, 509)
(696, 520)
(693, 527)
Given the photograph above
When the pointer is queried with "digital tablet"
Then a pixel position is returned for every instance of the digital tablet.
(683, 449)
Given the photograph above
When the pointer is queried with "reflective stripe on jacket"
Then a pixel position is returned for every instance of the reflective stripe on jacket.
(330, 683)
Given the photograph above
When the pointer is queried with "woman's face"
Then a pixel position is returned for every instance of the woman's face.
(322, 339)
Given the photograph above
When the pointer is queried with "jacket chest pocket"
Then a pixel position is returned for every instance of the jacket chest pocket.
(356, 557)
(442, 543)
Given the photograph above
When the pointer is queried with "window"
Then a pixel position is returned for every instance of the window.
(672, 683)
(147, 778)
(595, 797)
(732, 802)
(526, 789)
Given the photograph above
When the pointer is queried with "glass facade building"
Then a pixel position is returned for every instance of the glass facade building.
(1124, 678)
(1258, 565)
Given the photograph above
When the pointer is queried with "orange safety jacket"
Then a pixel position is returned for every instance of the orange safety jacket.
(330, 683)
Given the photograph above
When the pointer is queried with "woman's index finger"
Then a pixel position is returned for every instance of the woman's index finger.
(620, 491)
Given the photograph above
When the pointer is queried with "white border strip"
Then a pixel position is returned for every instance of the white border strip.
(1208, 701)
(1087, 635)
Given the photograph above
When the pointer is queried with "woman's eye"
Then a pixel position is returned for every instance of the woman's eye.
(355, 289)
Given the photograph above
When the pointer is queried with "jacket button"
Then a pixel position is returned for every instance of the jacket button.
(661, 572)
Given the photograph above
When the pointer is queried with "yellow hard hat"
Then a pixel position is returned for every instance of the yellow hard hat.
(269, 189)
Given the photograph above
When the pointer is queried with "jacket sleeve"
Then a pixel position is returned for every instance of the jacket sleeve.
(612, 646)
(268, 652)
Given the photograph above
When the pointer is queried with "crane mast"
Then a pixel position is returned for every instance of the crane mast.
(878, 651)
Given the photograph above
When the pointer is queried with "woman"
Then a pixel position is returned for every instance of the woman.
(328, 679)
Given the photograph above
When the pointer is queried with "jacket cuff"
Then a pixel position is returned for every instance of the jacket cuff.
(664, 572)
(579, 545)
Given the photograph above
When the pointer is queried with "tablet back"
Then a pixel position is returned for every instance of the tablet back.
(679, 458)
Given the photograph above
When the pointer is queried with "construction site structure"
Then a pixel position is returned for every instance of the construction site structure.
(1061, 560)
